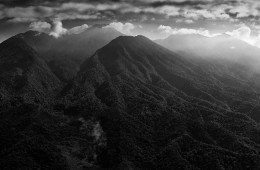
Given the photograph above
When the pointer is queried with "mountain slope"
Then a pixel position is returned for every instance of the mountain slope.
(65, 54)
(156, 113)
(23, 72)
(218, 47)
(34, 135)
(232, 65)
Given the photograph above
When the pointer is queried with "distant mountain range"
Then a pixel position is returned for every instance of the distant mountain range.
(219, 47)
(122, 102)
(231, 64)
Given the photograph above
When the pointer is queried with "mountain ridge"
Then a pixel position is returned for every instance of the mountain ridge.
(65, 54)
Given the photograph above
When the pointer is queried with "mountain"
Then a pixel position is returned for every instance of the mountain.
(158, 113)
(220, 47)
(133, 104)
(189, 41)
(34, 135)
(231, 64)
(26, 85)
(23, 72)
(65, 54)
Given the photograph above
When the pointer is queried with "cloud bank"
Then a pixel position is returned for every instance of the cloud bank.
(244, 33)
(40, 26)
(123, 28)
(56, 28)
(184, 31)
(193, 14)
(31, 10)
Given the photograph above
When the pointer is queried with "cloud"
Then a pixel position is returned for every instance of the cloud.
(57, 29)
(123, 28)
(40, 26)
(25, 14)
(95, 6)
(207, 9)
(78, 9)
(241, 33)
(19, 20)
(244, 33)
(219, 12)
(187, 21)
(177, 2)
(74, 16)
(78, 29)
(245, 10)
(197, 14)
(63, 12)
(166, 10)
(184, 31)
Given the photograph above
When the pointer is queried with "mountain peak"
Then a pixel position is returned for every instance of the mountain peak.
(32, 34)
(130, 40)
(123, 53)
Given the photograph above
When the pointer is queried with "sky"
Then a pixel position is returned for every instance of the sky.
(156, 19)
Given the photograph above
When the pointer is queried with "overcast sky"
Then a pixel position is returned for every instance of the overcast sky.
(153, 18)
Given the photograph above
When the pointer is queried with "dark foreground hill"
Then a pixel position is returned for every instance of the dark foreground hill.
(133, 105)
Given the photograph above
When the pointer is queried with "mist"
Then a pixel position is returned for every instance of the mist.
(222, 48)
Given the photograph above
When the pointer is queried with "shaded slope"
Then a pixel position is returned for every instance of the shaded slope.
(23, 73)
(38, 132)
(33, 136)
